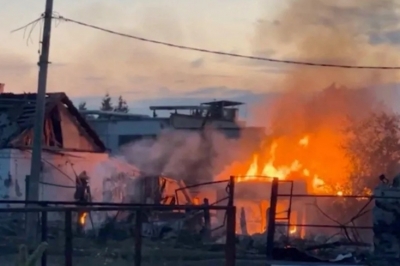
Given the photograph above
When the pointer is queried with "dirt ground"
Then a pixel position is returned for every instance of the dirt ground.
(120, 253)
(85, 261)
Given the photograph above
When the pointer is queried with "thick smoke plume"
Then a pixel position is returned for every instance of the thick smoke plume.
(339, 32)
(320, 102)
(184, 155)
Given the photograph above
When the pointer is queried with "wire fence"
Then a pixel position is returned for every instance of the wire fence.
(126, 233)
(98, 240)
(319, 221)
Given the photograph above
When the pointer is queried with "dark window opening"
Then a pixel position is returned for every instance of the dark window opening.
(57, 129)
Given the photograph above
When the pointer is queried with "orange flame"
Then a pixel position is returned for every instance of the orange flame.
(270, 169)
(82, 219)
(293, 230)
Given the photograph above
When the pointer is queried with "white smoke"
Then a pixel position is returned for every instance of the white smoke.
(183, 155)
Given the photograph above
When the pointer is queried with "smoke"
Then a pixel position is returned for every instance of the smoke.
(341, 32)
(318, 102)
(185, 155)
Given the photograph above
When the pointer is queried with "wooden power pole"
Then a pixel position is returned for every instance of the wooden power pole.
(36, 160)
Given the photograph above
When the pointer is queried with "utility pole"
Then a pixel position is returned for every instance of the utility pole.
(36, 160)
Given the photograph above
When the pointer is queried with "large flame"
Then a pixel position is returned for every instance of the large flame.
(272, 169)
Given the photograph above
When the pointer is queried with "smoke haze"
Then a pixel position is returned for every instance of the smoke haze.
(317, 102)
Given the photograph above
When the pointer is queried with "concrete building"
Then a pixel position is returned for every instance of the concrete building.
(117, 129)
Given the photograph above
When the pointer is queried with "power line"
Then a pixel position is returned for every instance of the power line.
(27, 25)
(61, 18)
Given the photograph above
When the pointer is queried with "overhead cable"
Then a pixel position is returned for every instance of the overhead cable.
(202, 50)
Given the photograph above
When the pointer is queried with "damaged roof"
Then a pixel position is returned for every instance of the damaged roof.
(17, 114)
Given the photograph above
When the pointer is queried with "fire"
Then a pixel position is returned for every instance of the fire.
(304, 141)
(269, 170)
(293, 230)
(272, 169)
(82, 219)
(317, 182)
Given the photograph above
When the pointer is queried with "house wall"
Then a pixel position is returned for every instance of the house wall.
(58, 176)
(73, 137)
(58, 173)
(4, 173)
(183, 122)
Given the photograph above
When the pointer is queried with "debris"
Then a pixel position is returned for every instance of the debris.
(344, 258)
(243, 224)
(336, 244)
(386, 215)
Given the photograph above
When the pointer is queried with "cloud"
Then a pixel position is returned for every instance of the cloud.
(197, 63)
(95, 62)
(223, 92)
(326, 31)
(391, 37)
(319, 31)
(194, 97)
(13, 67)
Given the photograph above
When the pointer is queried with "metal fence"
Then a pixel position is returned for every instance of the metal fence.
(135, 249)
(68, 210)
(327, 221)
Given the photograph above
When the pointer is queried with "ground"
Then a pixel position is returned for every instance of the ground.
(120, 253)
(154, 253)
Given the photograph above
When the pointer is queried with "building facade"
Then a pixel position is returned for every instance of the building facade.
(116, 130)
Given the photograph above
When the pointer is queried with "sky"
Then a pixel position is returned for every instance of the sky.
(86, 63)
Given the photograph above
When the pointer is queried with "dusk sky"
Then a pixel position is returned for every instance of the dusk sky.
(87, 63)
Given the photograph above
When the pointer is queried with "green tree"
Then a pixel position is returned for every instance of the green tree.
(106, 103)
(122, 106)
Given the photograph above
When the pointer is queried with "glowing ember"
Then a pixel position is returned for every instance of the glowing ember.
(196, 201)
(304, 141)
(317, 182)
(82, 219)
(293, 230)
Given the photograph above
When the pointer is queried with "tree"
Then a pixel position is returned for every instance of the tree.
(106, 104)
(373, 147)
(122, 106)
(82, 106)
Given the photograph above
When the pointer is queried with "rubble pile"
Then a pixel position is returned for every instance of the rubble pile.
(386, 219)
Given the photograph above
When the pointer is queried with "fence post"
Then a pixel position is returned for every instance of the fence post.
(271, 218)
(243, 223)
(231, 190)
(138, 237)
(230, 241)
(68, 238)
(207, 220)
(44, 235)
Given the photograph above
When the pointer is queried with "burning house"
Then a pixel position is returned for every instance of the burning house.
(72, 151)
